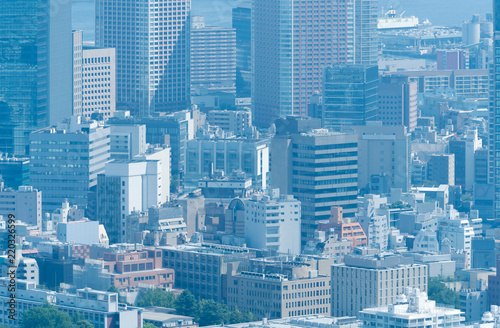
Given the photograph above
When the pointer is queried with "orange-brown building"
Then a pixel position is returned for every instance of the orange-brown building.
(138, 268)
(344, 228)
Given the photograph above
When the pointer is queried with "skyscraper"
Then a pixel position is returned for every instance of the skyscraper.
(213, 58)
(242, 23)
(494, 171)
(294, 40)
(35, 69)
(151, 39)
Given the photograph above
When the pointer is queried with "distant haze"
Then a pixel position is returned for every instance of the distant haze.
(218, 12)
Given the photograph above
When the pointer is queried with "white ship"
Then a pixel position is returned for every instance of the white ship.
(393, 21)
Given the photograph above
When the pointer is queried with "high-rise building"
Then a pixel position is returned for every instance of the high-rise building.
(294, 40)
(365, 32)
(77, 71)
(35, 69)
(213, 58)
(494, 124)
(99, 82)
(66, 161)
(350, 95)
(373, 281)
(151, 39)
(15, 171)
(320, 169)
(383, 150)
(398, 101)
(242, 23)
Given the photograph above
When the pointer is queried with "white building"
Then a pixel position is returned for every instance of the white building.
(374, 221)
(127, 140)
(99, 82)
(237, 121)
(25, 204)
(273, 222)
(99, 308)
(83, 232)
(66, 160)
(132, 185)
(412, 309)
(204, 156)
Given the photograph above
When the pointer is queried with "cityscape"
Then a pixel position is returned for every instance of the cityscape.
(249, 163)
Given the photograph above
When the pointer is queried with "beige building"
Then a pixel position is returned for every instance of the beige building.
(373, 281)
(277, 296)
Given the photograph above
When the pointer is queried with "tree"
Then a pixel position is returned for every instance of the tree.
(212, 313)
(438, 292)
(149, 325)
(83, 324)
(186, 304)
(250, 317)
(46, 316)
(236, 316)
(156, 297)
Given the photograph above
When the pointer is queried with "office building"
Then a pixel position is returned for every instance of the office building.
(383, 150)
(15, 171)
(83, 232)
(131, 269)
(131, 185)
(99, 82)
(127, 141)
(36, 69)
(25, 204)
(273, 222)
(365, 32)
(452, 59)
(320, 169)
(77, 72)
(204, 156)
(373, 281)
(275, 296)
(494, 136)
(238, 122)
(152, 64)
(464, 150)
(441, 169)
(172, 130)
(350, 95)
(203, 268)
(213, 58)
(289, 54)
(412, 309)
(99, 308)
(66, 160)
(242, 24)
(398, 101)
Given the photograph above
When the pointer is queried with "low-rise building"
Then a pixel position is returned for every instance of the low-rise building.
(99, 308)
(412, 309)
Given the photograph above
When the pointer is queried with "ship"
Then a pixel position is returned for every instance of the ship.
(391, 20)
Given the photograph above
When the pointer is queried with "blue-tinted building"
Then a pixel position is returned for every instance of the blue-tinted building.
(15, 171)
(350, 95)
(494, 171)
(33, 34)
(242, 23)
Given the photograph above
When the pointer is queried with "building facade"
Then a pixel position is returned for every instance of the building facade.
(153, 58)
(25, 204)
(320, 169)
(242, 24)
(273, 222)
(350, 95)
(36, 70)
(398, 101)
(365, 282)
(213, 58)
(66, 160)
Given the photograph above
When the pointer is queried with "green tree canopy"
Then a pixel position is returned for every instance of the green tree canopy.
(149, 325)
(438, 292)
(212, 313)
(156, 297)
(186, 304)
(46, 316)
